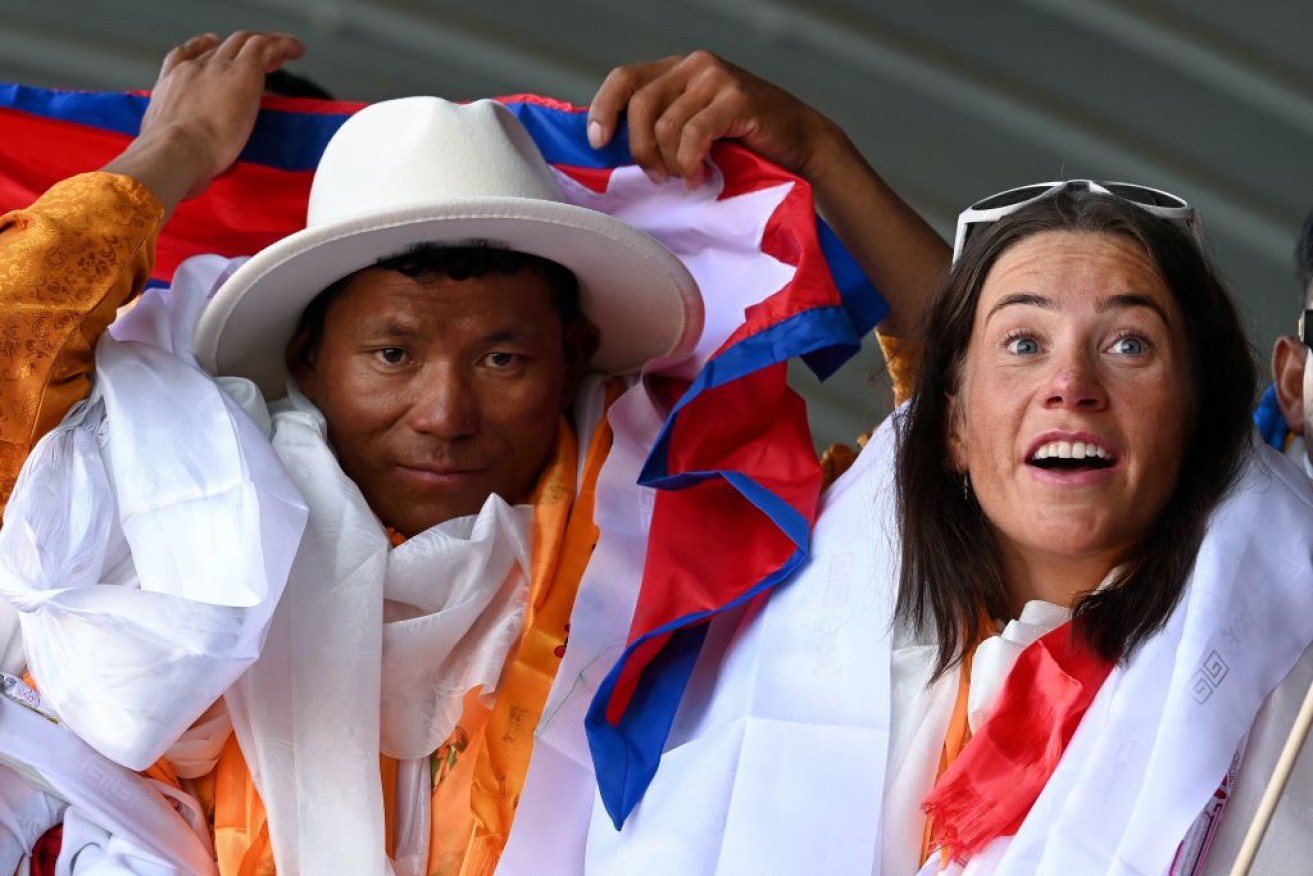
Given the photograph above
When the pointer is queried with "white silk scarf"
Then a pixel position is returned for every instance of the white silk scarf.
(146, 544)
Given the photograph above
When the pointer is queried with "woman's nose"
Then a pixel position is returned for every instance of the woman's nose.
(1076, 383)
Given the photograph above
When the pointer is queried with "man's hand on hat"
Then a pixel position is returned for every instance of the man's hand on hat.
(677, 107)
(202, 111)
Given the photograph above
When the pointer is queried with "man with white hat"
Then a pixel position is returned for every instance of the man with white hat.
(424, 343)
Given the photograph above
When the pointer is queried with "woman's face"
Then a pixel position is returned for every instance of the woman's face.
(1072, 406)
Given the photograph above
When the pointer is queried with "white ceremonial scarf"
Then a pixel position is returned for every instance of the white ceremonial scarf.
(146, 543)
(802, 746)
(371, 650)
(114, 820)
(1297, 452)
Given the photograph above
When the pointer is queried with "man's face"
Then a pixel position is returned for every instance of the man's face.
(441, 392)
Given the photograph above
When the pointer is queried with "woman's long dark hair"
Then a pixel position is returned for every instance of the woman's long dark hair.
(952, 574)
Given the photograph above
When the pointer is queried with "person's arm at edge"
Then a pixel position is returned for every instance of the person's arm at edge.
(67, 263)
(86, 247)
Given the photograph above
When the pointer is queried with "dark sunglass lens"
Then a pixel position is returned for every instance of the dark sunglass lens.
(1141, 195)
(1010, 197)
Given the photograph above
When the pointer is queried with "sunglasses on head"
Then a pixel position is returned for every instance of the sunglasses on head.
(1155, 201)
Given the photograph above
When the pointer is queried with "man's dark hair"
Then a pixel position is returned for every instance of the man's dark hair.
(429, 261)
(1304, 261)
(952, 573)
(284, 83)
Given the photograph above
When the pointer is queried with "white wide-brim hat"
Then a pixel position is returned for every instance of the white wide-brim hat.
(424, 170)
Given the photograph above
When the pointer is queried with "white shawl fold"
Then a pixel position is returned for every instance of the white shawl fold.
(146, 544)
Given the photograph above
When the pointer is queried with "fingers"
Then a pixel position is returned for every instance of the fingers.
(191, 49)
(269, 50)
(697, 135)
(204, 105)
(676, 108)
(685, 131)
(653, 127)
(614, 94)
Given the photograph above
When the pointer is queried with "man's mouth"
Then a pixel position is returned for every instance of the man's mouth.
(1071, 456)
(441, 473)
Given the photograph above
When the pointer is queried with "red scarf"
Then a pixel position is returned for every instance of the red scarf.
(989, 789)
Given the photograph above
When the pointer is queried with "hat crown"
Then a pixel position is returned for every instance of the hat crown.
(421, 151)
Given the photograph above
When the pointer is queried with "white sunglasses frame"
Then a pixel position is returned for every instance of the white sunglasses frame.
(974, 216)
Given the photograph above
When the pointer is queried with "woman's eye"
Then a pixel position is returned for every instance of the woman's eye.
(391, 355)
(1023, 346)
(1129, 346)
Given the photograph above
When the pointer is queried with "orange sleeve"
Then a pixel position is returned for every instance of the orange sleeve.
(67, 263)
(902, 357)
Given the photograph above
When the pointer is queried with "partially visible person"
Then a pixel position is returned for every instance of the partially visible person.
(1286, 412)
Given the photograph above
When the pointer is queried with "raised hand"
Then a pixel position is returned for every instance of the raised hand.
(678, 106)
(202, 111)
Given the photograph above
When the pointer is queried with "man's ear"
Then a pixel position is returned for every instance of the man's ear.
(1289, 357)
(580, 344)
(300, 360)
(957, 437)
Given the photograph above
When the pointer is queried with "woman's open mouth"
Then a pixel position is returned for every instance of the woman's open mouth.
(1071, 456)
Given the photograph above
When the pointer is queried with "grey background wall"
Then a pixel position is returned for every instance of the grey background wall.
(950, 99)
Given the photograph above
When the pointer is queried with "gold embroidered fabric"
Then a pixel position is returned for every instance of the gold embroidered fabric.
(67, 263)
(902, 356)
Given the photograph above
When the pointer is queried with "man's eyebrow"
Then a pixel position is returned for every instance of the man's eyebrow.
(386, 327)
(1132, 299)
(1021, 298)
(510, 335)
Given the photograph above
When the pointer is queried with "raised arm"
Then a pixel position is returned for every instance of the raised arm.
(678, 106)
(86, 247)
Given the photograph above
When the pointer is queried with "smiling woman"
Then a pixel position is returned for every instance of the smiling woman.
(1079, 321)
(1082, 408)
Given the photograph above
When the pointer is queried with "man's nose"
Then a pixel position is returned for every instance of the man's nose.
(445, 406)
(1075, 383)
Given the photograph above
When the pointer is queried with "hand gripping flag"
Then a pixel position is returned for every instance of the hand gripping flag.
(736, 477)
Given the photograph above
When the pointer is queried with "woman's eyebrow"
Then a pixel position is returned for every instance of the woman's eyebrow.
(1132, 299)
(1021, 298)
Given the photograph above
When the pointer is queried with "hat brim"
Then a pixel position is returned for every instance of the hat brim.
(642, 299)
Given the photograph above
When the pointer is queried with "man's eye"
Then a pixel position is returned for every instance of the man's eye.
(1023, 346)
(391, 355)
(501, 360)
